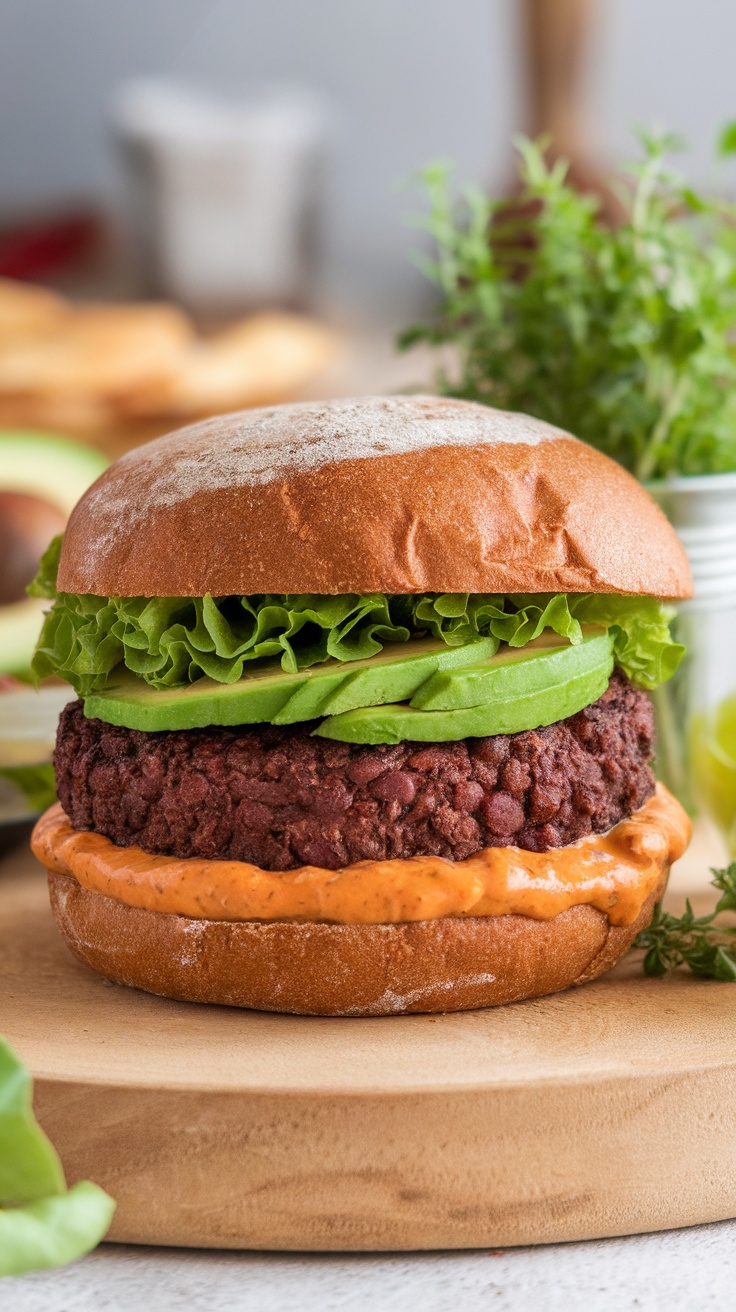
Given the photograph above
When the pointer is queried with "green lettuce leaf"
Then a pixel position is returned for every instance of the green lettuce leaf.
(53, 1231)
(173, 641)
(42, 1224)
(35, 782)
(643, 645)
(44, 584)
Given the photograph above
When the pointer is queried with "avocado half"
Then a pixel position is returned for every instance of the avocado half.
(41, 479)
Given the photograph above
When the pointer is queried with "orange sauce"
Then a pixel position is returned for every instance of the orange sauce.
(614, 872)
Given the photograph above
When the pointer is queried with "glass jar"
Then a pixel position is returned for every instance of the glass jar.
(696, 711)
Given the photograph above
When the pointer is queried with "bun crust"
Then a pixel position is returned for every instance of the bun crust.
(453, 964)
(396, 495)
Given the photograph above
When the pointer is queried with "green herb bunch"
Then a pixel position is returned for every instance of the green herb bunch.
(624, 336)
(707, 948)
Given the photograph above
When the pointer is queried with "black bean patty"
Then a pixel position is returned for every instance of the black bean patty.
(280, 799)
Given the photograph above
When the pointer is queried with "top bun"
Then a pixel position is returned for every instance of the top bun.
(380, 494)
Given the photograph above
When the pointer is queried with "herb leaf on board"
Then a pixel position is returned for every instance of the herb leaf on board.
(707, 948)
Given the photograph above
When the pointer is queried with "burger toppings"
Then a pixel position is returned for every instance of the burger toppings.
(178, 663)
(615, 873)
(281, 798)
(173, 641)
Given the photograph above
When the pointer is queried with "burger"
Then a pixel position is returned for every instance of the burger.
(363, 722)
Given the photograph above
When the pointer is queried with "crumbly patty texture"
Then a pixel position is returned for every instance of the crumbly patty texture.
(280, 799)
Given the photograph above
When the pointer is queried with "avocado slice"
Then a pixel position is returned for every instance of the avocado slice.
(399, 723)
(516, 674)
(268, 694)
(41, 479)
(390, 676)
(131, 702)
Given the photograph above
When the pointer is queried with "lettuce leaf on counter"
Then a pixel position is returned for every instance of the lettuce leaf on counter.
(173, 641)
(42, 1224)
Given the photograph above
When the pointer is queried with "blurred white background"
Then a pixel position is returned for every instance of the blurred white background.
(407, 81)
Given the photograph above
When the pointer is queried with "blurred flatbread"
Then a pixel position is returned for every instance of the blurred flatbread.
(70, 414)
(99, 351)
(265, 358)
(27, 311)
(87, 367)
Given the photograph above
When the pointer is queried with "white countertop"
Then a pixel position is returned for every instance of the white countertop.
(678, 1270)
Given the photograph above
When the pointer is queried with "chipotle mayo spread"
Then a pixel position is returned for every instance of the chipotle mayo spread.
(614, 872)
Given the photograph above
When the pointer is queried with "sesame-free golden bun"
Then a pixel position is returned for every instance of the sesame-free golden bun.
(402, 494)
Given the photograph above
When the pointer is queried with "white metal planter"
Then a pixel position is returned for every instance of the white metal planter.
(696, 712)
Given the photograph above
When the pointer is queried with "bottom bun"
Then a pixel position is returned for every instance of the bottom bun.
(315, 969)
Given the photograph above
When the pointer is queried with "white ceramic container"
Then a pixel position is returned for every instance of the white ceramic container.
(222, 197)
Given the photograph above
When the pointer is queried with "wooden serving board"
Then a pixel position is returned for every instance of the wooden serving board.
(603, 1111)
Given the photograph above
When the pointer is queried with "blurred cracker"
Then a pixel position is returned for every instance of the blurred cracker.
(99, 351)
(28, 311)
(258, 361)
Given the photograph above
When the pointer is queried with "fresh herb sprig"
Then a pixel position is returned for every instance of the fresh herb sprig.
(624, 336)
(706, 948)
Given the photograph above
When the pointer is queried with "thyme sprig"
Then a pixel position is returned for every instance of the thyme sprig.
(707, 948)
